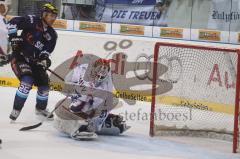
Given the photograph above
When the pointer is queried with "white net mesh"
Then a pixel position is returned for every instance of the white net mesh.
(202, 99)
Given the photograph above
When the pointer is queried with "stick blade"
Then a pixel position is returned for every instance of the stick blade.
(30, 127)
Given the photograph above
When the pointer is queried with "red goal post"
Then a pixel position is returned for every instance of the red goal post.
(205, 60)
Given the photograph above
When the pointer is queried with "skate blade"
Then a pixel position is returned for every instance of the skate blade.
(85, 137)
(12, 121)
(42, 117)
(127, 127)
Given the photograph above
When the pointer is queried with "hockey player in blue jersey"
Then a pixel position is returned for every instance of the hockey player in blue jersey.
(30, 56)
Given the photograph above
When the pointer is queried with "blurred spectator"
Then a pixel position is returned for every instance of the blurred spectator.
(162, 6)
(4, 7)
(32, 7)
(78, 12)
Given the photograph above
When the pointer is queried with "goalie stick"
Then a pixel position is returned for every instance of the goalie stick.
(55, 74)
(40, 123)
(1, 51)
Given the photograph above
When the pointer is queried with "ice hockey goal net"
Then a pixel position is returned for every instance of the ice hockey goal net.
(204, 96)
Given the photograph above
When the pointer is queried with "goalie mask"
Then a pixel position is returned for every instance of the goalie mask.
(100, 70)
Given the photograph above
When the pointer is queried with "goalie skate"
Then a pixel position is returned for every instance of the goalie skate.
(114, 125)
(113, 131)
(83, 134)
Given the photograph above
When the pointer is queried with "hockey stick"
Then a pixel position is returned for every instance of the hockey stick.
(40, 123)
(1, 51)
(55, 74)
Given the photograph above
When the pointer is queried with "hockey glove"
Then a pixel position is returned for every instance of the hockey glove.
(44, 61)
(4, 59)
(16, 43)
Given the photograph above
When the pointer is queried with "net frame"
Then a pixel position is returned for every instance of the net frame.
(236, 131)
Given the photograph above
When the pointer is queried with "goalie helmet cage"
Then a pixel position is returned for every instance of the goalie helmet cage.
(190, 58)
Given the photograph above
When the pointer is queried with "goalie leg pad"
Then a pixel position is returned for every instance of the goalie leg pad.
(114, 125)
(66, 126)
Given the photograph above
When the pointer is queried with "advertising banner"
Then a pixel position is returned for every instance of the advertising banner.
(224, 16)
(92, 26)
(131, 14)
(209, 35)
(132, 29)
(134, 2)
(171, 32)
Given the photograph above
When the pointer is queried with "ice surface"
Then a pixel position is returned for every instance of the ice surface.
(46, 143)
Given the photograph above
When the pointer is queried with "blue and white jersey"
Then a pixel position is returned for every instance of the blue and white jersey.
(36, 38)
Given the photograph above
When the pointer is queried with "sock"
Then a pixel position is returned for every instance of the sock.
(22, 93)
(42, 97)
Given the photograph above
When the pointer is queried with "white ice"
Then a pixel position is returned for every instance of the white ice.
(46, 143)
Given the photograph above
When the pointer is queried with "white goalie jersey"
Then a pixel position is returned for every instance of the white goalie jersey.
(77, 78)
(89, 112)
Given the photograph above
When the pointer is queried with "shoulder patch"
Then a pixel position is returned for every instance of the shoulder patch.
(31, 18)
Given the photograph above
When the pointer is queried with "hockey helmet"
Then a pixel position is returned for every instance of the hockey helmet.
(48, 7)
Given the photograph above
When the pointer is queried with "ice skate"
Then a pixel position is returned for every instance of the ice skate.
(83, 134)
(44, 113)
(14, 115)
